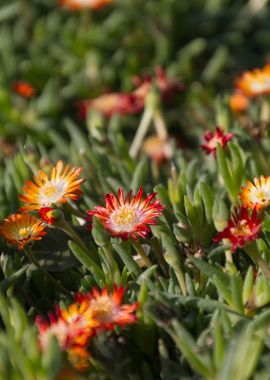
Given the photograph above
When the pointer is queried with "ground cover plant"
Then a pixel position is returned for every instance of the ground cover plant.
(135, 190)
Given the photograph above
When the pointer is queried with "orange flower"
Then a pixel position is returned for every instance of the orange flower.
(24, 89)
(130, 217)
(81, 4)
(257, 194)
(107, 309)
(21, 229)
(213, 139)
(78, 315)
(157, 149)
(69, 336)
(238, 102)
(241, 228)
(78, 357)
(69, 374)
(62, 185)
(255, 82)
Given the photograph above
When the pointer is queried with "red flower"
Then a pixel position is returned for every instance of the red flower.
(241, 228)
(74, 5)
(213, 139)
(133, 102)
(24, 89)
(111, 104)
(165, 85)
(130, 217)
(46, 214)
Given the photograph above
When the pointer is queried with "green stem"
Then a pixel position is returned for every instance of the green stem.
(141, 132)
(64, 226)
(34, 261)
(113, 266)
(253, 253)
(72, 210)
(139, 249)
(160, 125)
(128, 260)
(174, 263)
(228, 256)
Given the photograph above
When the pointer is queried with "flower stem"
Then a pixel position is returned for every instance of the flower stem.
(139, 249)
(108, 252)
(160, 125)
(141, 132)
(33, 260)
(64, 226)
(253, 253)
(172, 260)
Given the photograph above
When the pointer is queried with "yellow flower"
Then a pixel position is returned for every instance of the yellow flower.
(21, 229)
(62, 185)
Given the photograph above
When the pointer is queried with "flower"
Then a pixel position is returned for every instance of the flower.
(69, 374)
(46, 214)
(21, 229)
(81, 4)
(241, 228)
(133, 102)
(213, 139)
(256, 82)
(107, 309)
(157, 149)
(71, 337)
(62, 185)
(257, 194)
(165, 85)
(24, 89)
(75, 325)
(78, 357)
(238, 102)
(56, 327)
(111, 104)
(130, 217)
(78, 315)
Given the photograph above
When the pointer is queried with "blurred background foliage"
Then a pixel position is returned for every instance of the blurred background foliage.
(68, 56)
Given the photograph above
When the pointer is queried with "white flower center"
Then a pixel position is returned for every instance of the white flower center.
(214, 141)
(260, 196)
(103, 309)
(52, 192)
(125, 218)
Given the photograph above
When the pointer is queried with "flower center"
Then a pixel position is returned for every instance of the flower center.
(103, 309)
(241, 229)
(259, 196)
(124, 219)
(24, 232)
(214, 141)
(52, 192)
